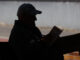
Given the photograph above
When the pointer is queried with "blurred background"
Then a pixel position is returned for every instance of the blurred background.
(63, 13)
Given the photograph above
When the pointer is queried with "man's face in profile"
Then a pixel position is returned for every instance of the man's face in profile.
(29, 19)
(33, 17)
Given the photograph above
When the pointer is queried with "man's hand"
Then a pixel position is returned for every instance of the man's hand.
(49, 39)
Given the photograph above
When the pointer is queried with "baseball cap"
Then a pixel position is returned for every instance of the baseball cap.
(28, 8)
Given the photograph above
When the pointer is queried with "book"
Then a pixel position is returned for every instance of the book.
(52, 36)
(55, 31)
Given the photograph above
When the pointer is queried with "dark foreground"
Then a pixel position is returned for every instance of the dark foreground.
(6, 53)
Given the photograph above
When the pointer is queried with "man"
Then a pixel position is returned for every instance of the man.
(25, 36)
(26, 39)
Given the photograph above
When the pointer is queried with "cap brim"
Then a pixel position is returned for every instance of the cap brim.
(38, 12)
(35, 12)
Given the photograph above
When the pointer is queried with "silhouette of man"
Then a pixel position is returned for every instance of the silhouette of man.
(25, 38)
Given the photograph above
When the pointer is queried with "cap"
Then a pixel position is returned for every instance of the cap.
(28, 9)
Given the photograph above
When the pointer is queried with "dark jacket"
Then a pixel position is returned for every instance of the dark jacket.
(25, 39)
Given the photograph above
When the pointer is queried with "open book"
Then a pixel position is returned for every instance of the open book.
(55, 31)
(53, 35)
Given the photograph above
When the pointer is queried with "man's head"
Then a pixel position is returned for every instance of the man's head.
(27, 12)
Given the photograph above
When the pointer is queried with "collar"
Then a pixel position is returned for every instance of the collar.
(19, 23)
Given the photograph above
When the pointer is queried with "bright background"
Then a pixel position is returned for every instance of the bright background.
(65, 14)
